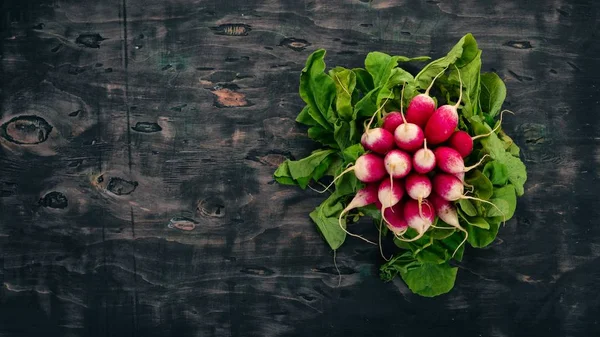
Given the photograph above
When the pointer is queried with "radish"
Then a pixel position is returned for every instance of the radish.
(394, 218)
(416, 220)
(392, 120)
(422, 106)
(450, 161)
(446, 211)
(397, 164)
(424, 159)
(418, 186)
(365, 196)
(378, 140)
(462, 142)
(408, 136)
(444, 120)
(368, 168)
(450, 188)
(390, 192)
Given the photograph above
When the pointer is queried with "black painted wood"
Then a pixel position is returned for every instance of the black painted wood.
(136, 196)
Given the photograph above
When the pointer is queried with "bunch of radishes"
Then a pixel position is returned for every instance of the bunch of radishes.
(414, 168)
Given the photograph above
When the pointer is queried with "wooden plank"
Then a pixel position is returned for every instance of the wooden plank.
(147, 206)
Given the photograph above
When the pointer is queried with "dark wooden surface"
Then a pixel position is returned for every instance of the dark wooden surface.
(147, 206)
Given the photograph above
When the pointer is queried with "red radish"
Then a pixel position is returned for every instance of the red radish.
(462, 142)
(417, 220)
(441, 125)
(446, 211)
(424, 159)
(369, 168)
(422, 106)
(450, 161)
(397, 164)
(461, 176)
(365, 196)
(418, 186)
(444, 120)
(378, 140)
(409, 137)
(394, 218)
(392, 120)
(450, 188)
(390, 192)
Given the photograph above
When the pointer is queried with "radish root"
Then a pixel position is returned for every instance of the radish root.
(494, 129)
(346, 210)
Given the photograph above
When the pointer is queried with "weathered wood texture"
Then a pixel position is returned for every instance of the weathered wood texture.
(136, 196)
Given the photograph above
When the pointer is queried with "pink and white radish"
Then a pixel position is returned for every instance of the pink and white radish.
(418, 186)
(369, 168)
(397, 164)
(443, 121)
(390, 192)
(446, 211)
(392, 120)
(364, 197)
(422, 106)
(378, 140)
(394, 219)
(462, 142)
(409, 137)
(450, 188)
(419, 221)
(424, 159)
(450, 161)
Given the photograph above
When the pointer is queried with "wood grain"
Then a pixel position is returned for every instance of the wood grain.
(136, 191)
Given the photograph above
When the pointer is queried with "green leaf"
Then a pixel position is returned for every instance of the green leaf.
(283, 176)
(317, 89)
(479, 237)
(305, 118)
(345, 133)
(470, 75)
(364, 80)
(345, 82)
(397, 77)
(467, 206)
(496, 172)
(476, 221)
(367, 105)
(461, 54)
(397, 264)
(505, 199)
(380, 66)
(323, 136)
(304, 169)
(517, 173)
(325, 216)
(430, 279)
(352, 153)
(493, 93)
(483, 186)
